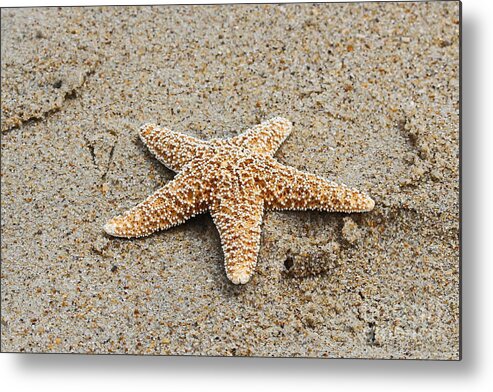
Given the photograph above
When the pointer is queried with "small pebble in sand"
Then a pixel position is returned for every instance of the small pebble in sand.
(350, 231)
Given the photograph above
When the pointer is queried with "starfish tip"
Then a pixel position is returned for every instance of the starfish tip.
(239, 277)
(110, 228)
(146, 130)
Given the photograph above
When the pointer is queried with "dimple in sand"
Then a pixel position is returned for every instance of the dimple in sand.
(236, 180)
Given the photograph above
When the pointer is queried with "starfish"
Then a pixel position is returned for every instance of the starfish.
(236, 180)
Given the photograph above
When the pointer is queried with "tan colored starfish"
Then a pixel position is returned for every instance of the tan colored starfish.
(236, 180)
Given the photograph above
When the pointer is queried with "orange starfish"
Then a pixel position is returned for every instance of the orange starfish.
(236, 180)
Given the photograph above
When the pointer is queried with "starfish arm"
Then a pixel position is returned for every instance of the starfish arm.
(180, 199)
(238, 221)
(292, 189)
(264, 138)
(174, 150)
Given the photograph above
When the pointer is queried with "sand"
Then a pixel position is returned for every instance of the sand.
(373, 91)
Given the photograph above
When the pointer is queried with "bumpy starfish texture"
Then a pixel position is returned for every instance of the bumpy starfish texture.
(236, 180)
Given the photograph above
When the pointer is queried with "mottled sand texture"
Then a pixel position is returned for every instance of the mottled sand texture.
(373, 91)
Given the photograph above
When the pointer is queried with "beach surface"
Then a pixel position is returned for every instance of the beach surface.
(373, 92)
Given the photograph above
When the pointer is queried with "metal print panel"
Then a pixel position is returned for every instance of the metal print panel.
(232, 180)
